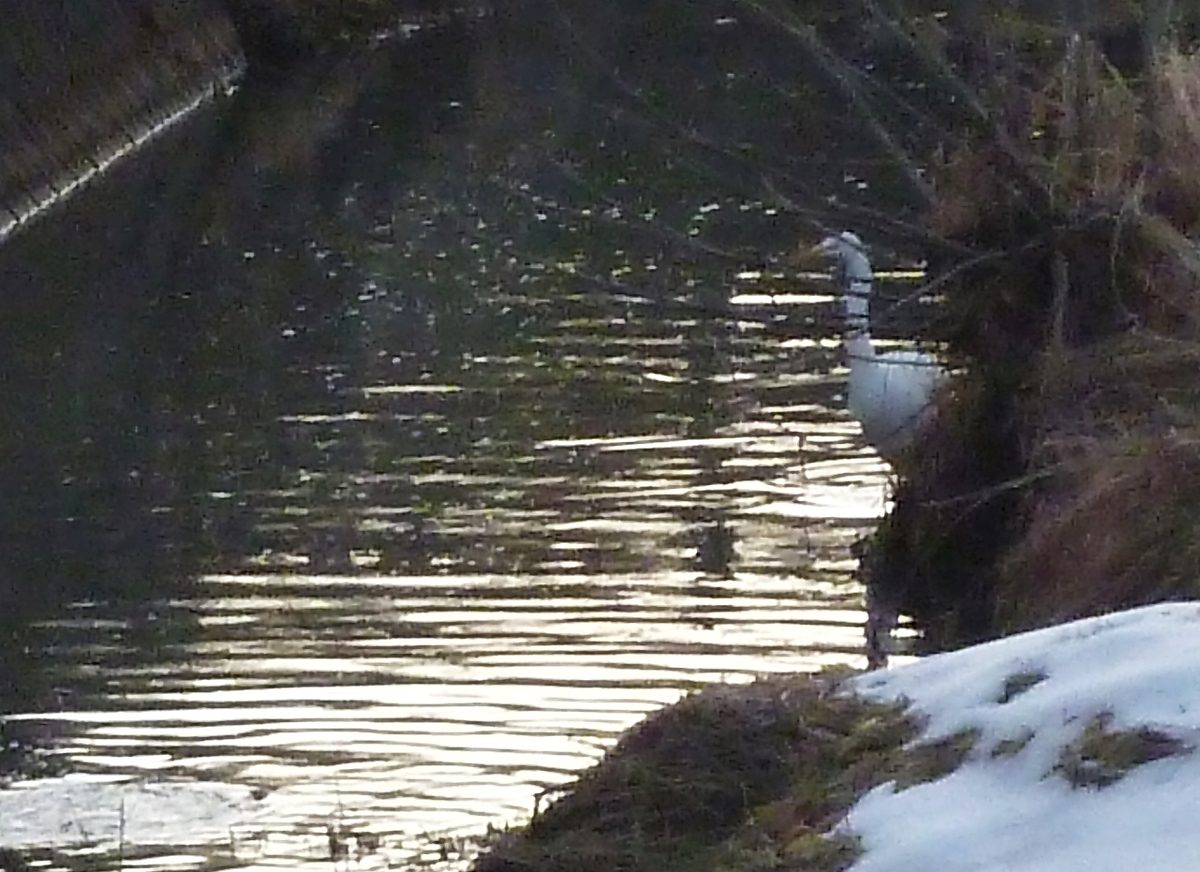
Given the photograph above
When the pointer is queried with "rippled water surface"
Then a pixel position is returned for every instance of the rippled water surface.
(365, 493)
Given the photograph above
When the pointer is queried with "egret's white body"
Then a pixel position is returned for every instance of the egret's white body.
(890, 394)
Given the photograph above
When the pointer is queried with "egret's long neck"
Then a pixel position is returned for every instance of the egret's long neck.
(856, 301)
(858, 281)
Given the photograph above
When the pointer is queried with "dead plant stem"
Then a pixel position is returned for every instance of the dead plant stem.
(1060, 283)
(1019, 164)
(981, 497)
(840, 74)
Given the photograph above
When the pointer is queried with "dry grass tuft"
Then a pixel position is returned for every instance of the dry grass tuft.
(1120, 529)
(1086, 126)
(1101, 756)
(1115, 521)
(736, 778)
(1012, 746)
(1018, 683)
(935, 759)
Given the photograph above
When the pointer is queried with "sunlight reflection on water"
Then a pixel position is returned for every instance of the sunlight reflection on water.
(485, 520)
(555, 588)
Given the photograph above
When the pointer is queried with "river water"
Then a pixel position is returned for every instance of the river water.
(385, 441)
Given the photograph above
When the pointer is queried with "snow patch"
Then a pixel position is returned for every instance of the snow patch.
(84, 810)
(1012, 812)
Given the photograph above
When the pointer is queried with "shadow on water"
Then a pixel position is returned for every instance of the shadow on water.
(390, 437)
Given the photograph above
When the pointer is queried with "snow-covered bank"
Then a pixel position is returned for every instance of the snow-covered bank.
(80, 810)
(1035, 701)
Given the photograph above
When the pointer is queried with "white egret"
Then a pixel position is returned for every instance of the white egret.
(890, 393)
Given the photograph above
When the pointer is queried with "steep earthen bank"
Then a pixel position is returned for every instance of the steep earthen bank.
(89, 81)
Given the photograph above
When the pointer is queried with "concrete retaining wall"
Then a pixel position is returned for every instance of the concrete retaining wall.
(83, 82)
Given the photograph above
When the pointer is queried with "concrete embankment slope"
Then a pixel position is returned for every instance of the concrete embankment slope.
(86, 81)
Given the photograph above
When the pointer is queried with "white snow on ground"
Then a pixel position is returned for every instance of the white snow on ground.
(1012, 814)
(78, 810)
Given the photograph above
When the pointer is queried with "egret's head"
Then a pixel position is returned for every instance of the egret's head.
(849, 253)
(839, 243)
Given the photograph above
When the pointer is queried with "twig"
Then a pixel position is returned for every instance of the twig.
(982, 496)
(840, 74)
(1022, 173)
(684, 133)
(886, 223)
(1060, 282)
(932, 285)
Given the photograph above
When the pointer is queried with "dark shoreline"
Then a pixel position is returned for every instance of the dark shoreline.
(96, 82)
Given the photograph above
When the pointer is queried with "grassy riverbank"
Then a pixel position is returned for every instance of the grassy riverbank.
(1061, 477)
(727, 778)
(1042, 751)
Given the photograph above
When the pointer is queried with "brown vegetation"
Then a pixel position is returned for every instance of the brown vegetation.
(740, 778)
(1100, 756)
(1062, 476)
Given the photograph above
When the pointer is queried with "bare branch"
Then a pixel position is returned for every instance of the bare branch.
(1023, 173)
(842, 75)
